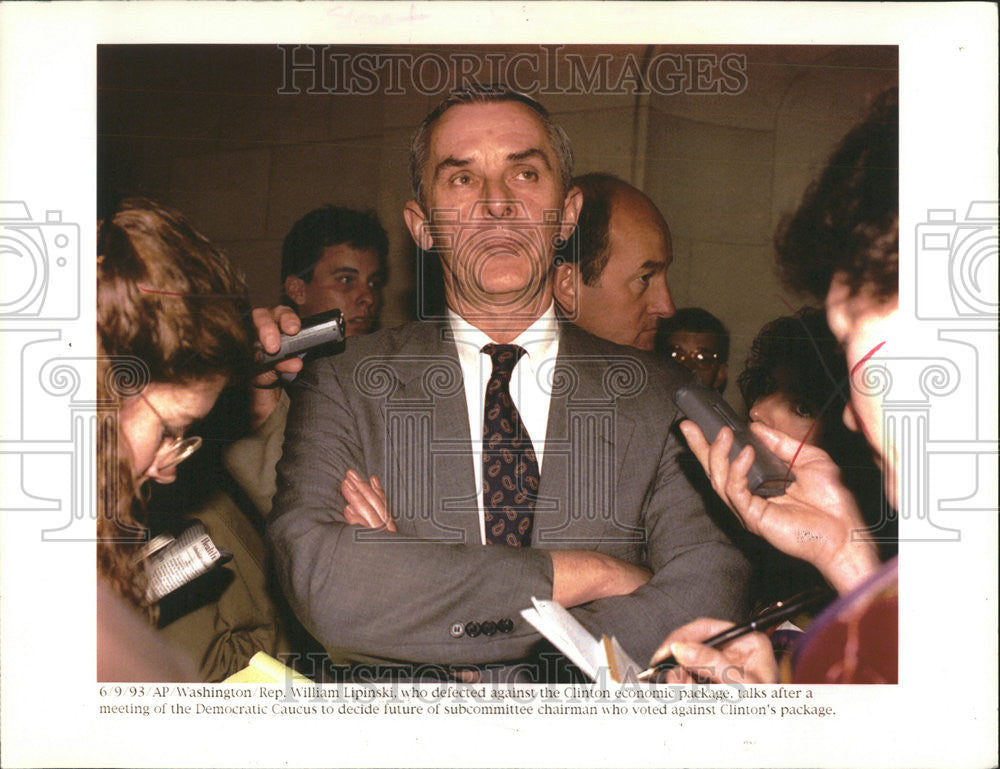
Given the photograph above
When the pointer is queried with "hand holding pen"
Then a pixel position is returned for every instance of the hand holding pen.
(731, 654)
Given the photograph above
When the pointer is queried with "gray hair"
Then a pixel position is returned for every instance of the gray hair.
(479, 93)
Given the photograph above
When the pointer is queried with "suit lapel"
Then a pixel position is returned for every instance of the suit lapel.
(587, 440)
(427, 432)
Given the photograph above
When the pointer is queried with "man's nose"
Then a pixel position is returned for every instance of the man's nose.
(365, 296)
(661, 302)
(497, 201)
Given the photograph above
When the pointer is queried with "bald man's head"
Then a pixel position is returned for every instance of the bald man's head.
(610, 277)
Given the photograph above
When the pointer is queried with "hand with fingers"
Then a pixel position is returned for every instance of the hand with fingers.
(817, 519)
(748, 659)
(270, 323)
(366, 502)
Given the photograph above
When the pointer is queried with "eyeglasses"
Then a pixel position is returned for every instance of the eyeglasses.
(174, 448)
(699, 358)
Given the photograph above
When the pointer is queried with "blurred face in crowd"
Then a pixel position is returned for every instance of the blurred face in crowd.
(630, 295)
(700, 352)
(493, 205)
(783, 411)
(153, 423)
(347, 279)
(862, 322)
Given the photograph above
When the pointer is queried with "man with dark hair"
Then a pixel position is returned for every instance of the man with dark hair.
(334, 258)
(697, 340)
(433, 558)
(610, 275)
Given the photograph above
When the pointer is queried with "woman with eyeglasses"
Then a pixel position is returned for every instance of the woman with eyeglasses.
(172, 333)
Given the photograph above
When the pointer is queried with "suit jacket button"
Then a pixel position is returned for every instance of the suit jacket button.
(489, 627)
(457, 630)
(506, 625)
(472, 629)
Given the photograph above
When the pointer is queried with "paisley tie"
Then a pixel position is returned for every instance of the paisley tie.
(510, 468)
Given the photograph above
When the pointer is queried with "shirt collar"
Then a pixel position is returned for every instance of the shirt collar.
(539, 340)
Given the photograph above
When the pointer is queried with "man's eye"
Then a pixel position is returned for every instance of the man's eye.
(345, 280)
(460, 180)
(528, 175)
(802, 410)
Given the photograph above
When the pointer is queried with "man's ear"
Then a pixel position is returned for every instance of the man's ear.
(418, 225)
(295, 289)
(571, 212)
(566, 287)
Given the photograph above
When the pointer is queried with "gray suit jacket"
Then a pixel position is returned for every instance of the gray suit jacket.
(393, 405)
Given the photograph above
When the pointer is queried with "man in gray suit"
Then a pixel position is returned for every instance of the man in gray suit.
(599, 516)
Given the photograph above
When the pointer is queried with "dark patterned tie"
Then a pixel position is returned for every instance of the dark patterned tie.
(510, 469)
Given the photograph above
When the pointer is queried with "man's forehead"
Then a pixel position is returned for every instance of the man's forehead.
(461, 128)
(344, 255)
(694, 340)
(638, 232)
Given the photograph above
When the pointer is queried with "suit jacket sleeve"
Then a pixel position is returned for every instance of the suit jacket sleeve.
(696, 571)
(369, 596)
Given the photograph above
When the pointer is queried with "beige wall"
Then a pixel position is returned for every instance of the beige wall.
(205, 129)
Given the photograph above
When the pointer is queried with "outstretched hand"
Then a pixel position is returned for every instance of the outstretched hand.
(816, 519)
(748, 659)
(270, 323)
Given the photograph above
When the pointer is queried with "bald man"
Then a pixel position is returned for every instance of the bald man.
(611, 275)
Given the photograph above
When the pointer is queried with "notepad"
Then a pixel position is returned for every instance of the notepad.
(265, 669)
(590, 654)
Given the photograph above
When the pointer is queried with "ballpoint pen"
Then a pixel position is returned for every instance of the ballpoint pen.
(773, 615)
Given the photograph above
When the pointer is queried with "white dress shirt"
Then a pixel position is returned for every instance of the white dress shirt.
(530, 384)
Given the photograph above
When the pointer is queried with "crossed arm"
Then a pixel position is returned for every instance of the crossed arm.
(694, 571)
(381, 594)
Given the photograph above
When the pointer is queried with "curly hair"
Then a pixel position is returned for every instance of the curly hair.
(848, 221)
(170, 309)
(800, 354)
(802, 346)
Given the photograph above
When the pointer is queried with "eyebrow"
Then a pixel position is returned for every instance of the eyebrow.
(534, 152)
(450, 162)
(453, 162)
(350, 270)
(652, 264)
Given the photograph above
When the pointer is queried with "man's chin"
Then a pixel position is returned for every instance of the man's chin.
(645, 340)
